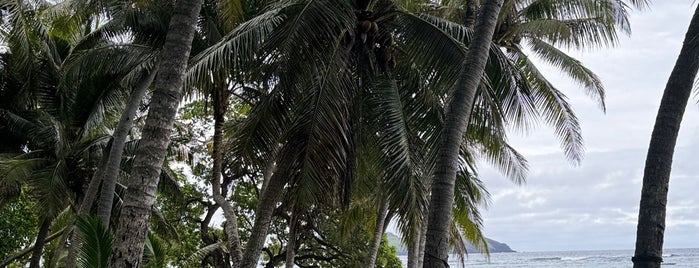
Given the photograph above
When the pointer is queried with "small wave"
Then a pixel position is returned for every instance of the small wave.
(577, 258)
(668, 263)
(546, 259)
(668, 255)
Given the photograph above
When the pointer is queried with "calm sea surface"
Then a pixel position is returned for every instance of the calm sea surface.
(684, 258)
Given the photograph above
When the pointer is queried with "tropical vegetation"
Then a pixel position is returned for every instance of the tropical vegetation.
(232, 133)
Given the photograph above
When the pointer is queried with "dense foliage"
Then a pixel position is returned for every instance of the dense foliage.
(305, 126)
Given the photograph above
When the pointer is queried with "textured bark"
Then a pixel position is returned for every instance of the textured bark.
(291, 245)
(378, 234)
(416, 249)
(263, 218)
(231, 227)
(35, 261)
(470, 13)
(121, 132)
(656, 175)
(84, 208)
(129, 238)
(457, 116)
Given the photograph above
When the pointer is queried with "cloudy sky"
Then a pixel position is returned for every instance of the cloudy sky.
(594, 205)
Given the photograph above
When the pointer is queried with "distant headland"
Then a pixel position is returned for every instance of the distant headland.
(495, 246)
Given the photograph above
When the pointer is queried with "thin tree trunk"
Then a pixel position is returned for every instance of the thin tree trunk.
(28, 250)
(35, 261)
(458, 113)
(129, 238)
(423, 241)
(109, 166)
(656, 175)
(111, 169)
(291, 245)
(378, 234)
(220, 106)
(263, 218)
(414, 248)
(84, 208)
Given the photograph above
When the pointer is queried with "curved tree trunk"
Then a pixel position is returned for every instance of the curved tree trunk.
(656, 175)
(109, 166)
(84, 208)
(35, 261)
(458, 113)
(129, 238)
(265, 211)
(220, 106)
(113, 165)
(378, 234)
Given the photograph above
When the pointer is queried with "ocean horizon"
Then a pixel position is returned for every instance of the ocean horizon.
(681, 257)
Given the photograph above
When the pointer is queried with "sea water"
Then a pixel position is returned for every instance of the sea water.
(672, 258)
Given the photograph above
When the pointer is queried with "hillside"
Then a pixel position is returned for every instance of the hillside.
(495, 246)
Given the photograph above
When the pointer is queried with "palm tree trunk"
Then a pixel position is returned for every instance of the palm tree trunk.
(263, 218)
(84, 208)
(656, 175)
(231, 227)
(109, 166)
(471, 12)
(35, 262)
(291, 245)
(416, 250)
(458, 113)
(263, 215)
(378, 234)
(130, 235)
(111, 169)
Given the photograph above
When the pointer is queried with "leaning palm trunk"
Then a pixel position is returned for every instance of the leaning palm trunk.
(108, 170)
(378, 234)
(656, 176)
(231, 227)
(263, 217)
(111, 169)
(35, 261)
(458, 113)
(130, 236)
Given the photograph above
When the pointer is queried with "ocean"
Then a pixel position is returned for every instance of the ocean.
(679, 258)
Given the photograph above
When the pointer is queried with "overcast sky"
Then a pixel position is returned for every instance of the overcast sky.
(595, 205)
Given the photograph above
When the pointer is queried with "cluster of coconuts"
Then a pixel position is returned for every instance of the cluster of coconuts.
(382, 44)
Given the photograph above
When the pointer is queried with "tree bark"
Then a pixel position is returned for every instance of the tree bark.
(378, 234)
(35, 261)
(656, 175)
(129, 238)
(113, 165)
(264, 213)
(458, 113)
(220, 103)
(471, 11)
(291, 245)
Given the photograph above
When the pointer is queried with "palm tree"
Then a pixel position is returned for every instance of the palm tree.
(456, 121)
(140, 196)
(656, 175)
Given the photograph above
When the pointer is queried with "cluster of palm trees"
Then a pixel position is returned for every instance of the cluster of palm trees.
(361, 110)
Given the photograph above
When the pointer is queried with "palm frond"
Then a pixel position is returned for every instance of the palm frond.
(95, 241)
(555, 110)
(572, 67)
